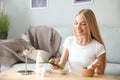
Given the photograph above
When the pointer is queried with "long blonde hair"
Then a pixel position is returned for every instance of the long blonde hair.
(92, 23)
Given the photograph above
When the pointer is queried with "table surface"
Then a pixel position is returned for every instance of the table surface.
(13, 75)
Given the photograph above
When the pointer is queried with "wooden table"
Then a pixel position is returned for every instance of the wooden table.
(13, 75)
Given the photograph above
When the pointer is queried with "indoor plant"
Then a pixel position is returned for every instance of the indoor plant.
(4, 23)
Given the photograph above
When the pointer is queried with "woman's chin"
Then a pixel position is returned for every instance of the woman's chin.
(79, 34)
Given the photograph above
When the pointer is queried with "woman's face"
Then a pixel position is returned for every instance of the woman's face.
(80, 26)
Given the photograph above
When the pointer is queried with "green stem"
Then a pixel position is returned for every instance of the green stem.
(54, 65)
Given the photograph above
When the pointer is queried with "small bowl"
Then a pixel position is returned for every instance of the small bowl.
(87, 72)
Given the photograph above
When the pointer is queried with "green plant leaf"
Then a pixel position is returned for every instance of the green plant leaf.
(54, 65)
(4, 23)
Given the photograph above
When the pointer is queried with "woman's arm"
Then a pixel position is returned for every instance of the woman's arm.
(99, 64)
(102, 59)
(64, 57)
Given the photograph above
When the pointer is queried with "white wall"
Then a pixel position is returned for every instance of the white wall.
(59, 13)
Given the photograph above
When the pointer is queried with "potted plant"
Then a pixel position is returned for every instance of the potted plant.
(4, 22)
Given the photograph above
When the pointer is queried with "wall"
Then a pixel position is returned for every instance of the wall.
(59, 13)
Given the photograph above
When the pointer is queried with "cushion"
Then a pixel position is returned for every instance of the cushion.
(39, 55)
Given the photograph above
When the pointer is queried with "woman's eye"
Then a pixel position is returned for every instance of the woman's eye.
(83, 24)
(75, 23)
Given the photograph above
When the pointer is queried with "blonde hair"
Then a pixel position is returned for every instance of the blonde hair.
(92, 24)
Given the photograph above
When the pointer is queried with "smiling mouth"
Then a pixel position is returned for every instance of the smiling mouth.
(80, 31)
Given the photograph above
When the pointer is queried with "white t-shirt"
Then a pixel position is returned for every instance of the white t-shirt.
(82, 56)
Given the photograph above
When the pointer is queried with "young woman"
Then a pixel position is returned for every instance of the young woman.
(85, 46)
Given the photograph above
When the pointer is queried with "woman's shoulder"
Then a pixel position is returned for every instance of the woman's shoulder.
(100, 48)
(97, 43)
(68, 41)
(70, 38)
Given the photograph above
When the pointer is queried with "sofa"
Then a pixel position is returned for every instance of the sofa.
(111, 39)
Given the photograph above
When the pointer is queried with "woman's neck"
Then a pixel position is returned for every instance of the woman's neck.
(83, 40)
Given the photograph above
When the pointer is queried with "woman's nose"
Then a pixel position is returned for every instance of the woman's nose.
(78, 26)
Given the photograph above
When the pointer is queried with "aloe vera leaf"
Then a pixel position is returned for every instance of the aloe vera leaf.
(53, 64)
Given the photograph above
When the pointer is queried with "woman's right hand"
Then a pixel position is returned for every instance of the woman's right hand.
(55, 61)
(97, 66)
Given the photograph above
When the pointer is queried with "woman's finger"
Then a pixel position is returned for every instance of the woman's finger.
(55, 61)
